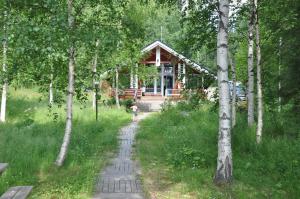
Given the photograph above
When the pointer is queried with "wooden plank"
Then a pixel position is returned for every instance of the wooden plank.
(3, 166)
(18, 192)
(10, 193)
(23, 192)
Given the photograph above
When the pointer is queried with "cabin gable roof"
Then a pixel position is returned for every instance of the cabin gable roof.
(181, 57)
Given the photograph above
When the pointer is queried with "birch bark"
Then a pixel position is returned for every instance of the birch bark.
(51, 90)
(250, 93)
(4, 68)
(117, 88)
(259, 79)
(136, 82)
(68, 130)
(224, 162)
(279, 74)
(94, 71)
(233, 100)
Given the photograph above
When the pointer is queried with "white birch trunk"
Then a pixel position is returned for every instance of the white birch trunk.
(279, 75)
(131, 78)
(259, 80)
(4, 68)
(94, 71)
(68, 130)
(233, 100)
(136, 79)
(184, 7)
(224, 162)
(250, 93)
(117, 88)
(51, 90)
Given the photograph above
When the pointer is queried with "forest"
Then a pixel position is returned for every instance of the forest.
(65, 67)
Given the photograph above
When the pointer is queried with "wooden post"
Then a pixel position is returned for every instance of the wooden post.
(183, 73)
(96, 99)
(174, 67)
(157, 56)
(155, 85)
(179, 71)
(162, 80)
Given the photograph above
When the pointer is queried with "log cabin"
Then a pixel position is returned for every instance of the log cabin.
(175, 73)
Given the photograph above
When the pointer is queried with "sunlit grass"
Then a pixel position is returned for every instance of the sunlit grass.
(31, 138)
(178, 153)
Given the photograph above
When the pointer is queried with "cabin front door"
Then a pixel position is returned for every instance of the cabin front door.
(168, 85)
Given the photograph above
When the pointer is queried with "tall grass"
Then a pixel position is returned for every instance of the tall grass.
(178, 153)
(31, 139)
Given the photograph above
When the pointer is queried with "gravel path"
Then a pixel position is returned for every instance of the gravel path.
(120, 179)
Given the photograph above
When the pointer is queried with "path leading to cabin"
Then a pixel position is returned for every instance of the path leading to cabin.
(120, 179)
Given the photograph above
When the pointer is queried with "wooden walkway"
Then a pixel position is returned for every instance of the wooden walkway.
(3, 166)
(120, 179)
(18, 192)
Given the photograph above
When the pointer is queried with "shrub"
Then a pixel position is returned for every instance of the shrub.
(111, 101)
(127, 103)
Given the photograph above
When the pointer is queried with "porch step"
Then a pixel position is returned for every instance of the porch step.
(19, 192)
(153, 98)
(3, 167)
(150, 106)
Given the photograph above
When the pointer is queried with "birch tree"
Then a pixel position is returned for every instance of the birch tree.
(259, 79)
(51, 94)
(233, 99)
(250, 90)
(117, 87)
(224, 161)
(51, 90)
(279, 74)
(4, 70)
(136, 85)
(94, 71)
(68, 130)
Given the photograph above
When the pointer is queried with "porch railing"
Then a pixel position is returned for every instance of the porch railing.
(173, 92)
(168, 92)
(151, 90)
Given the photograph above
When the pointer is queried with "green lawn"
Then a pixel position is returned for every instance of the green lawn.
(31, 138)
(178, 152)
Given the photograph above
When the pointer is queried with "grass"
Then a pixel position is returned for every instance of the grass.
(178, 152)
(31, 138)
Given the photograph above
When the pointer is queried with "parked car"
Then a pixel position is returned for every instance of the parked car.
(240, 91)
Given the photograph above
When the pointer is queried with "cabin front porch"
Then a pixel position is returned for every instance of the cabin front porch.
(168, 83)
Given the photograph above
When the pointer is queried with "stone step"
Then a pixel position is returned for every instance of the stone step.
(19, 192)
(3, 167)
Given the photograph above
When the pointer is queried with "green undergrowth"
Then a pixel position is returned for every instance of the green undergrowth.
(178, 152)
(32, 136)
